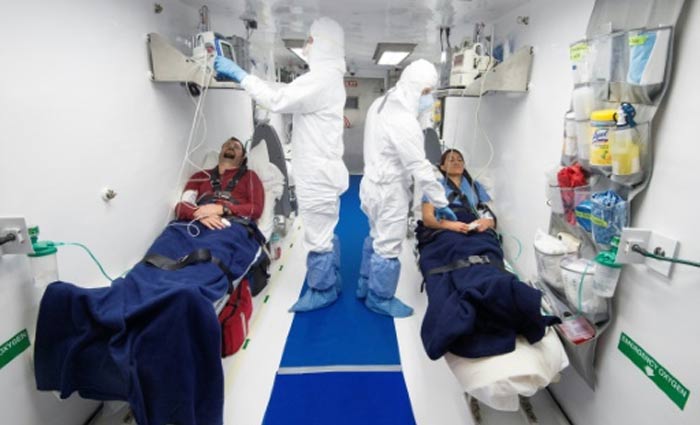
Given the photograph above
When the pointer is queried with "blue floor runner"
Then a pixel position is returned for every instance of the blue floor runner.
(352, 398)
(346, 333)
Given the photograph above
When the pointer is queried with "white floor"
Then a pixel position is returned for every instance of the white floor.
(436, 397)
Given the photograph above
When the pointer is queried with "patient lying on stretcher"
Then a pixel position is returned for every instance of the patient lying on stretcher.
(478, 313)
(229, 189)
(475, 307)
(153, 337)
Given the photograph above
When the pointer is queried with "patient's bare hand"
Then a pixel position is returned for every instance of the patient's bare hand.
(212, 222)
(456, 226)
(484, 224)
(208, 210)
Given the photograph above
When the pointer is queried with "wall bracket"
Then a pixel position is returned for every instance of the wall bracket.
(512, 75)
(169, 65)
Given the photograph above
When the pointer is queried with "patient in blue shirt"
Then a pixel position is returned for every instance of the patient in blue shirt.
(461, 191)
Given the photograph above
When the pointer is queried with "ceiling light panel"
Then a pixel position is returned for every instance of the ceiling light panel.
(392, 58)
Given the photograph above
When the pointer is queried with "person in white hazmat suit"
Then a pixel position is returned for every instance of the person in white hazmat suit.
(393, 153)
(316, 100)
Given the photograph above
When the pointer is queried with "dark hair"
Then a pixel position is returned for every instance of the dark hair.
(443, 158)
(245, 154)
(236, 139)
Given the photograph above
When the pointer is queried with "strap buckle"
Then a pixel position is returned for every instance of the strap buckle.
(478, 259)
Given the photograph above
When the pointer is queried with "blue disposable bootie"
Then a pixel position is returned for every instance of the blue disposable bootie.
(313, 299)
(393, 306)
(367, 252)
(336, 264)
(383, 280)
(321, 278)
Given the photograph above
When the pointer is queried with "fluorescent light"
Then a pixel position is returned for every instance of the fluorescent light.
(392, 58)
(392, 53)
(299, 51)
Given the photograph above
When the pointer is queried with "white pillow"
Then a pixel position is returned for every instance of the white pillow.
(273, 182)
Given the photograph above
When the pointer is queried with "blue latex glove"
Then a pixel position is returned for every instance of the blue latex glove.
(228, 68)
(445, 212)
(639, 56)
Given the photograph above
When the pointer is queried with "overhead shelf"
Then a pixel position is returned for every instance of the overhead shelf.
(169, 65)
(512, 75)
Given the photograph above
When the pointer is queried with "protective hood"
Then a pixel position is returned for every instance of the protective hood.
(328, 47)
(417, 76)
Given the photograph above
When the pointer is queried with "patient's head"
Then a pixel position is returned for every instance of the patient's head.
(232, 154)
(452, 162)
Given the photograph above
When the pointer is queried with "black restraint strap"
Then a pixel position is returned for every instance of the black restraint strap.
(215, 178)
(462, 263)
(195, 257)
(259, 238)
(217, 193)
(458, 194)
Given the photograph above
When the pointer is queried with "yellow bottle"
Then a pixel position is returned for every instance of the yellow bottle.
(602, 122)
(625, 148)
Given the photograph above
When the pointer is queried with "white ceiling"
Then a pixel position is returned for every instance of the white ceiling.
(366, 22)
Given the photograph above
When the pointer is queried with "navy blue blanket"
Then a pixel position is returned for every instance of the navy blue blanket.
(475, 311)
(152, 338)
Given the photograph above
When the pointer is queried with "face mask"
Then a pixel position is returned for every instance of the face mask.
(426, 102)
(306, 51)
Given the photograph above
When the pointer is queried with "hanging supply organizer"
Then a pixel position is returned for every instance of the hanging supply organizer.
(621, 73)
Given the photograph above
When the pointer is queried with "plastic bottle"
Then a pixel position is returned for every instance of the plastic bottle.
(569, 147)
(43, 261)
(275, 247)
(625, 148)
(606, 275)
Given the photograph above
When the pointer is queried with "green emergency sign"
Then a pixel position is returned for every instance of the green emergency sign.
(654, 371)
(13, 347)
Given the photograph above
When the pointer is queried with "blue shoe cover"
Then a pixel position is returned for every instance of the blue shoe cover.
(382, 283)
(336, 264)
(388, 306)
(313, 299)
(362, 283)
(361, 291)
(320, 270)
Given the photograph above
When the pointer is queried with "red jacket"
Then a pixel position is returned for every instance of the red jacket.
(248, 193)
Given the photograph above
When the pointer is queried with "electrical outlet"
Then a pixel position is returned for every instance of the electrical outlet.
(630, 237)
(22, 244)
(651, 242)
(664, 246)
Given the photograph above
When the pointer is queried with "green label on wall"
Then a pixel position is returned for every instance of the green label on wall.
(13, 347)
(578, 51)
(654, 371)
(638, 40)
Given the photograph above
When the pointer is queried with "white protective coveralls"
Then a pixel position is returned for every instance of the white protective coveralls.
(393, 153)
(316, 100)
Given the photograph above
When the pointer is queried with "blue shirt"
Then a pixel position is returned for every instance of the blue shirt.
(467, 189)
